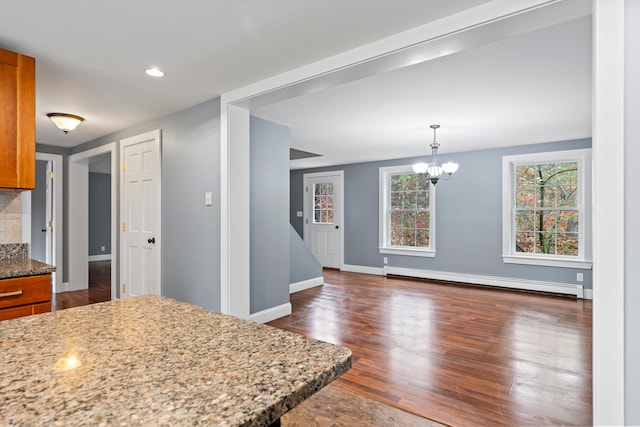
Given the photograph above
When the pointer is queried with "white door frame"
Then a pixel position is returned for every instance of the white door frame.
(155, 135)
(78, 203)
(306, 214)
(608, 147)
(57, 231)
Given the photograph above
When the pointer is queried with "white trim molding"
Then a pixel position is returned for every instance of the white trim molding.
(509, 254)
(78, 275)
(503, 282)
(363, 269)
(532, 260)
(103, 257)
(272, 313)
(306, 284)
(608, 214)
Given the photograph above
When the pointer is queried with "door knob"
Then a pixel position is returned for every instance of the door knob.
(151, 240)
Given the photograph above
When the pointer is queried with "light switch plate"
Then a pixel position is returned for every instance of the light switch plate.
(207, 199)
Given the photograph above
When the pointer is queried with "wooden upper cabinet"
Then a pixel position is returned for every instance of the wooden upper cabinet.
(17, 121)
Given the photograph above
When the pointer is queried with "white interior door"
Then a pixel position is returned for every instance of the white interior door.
(140, 215)
(323, 217)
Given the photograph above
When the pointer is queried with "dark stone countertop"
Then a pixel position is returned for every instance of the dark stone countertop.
(20, 267)
(15, 262)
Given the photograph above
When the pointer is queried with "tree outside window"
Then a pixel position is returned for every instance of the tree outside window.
(407, 207)
(409, 210)
(546, 210)
(546, 219)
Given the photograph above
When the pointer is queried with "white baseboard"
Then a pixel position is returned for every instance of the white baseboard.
(272, 313)
(70, 287)
(588, 294)
(306, 284)
(362, 269)
(105, 257)
(505, 282)
(64, 287)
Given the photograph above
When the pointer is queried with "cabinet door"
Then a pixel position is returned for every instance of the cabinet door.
(17, 116)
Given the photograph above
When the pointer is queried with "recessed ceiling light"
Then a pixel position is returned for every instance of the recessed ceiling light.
(154, 72)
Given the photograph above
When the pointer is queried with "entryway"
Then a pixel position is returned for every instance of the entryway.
(324, 216)
(79, 168)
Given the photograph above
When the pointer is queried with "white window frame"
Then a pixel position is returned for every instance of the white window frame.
(509, 255)
(385, 233)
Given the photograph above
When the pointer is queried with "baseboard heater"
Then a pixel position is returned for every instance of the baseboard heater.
(492, 281)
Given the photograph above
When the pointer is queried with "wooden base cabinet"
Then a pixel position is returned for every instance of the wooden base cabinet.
(17, 121)
(24, 296)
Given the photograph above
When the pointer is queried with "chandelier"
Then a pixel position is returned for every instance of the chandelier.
(435, 171)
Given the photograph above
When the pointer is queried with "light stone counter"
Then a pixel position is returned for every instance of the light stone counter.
(152, 361)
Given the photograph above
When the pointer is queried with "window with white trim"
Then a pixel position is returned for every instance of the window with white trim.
(545, 216)
(407, 212)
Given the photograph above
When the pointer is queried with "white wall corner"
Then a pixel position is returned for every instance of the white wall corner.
(272, 313)
(306, 284)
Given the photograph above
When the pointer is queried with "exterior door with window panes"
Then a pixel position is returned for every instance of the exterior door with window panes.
(323, 220)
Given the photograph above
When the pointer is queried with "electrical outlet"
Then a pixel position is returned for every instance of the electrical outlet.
(384, 260)
(102, 248)
(579, 277)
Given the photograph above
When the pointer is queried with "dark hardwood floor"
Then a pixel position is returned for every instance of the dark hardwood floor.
(459, 355)
(99, 288)
(456, 354)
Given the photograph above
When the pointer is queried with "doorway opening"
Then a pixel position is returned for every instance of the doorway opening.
(93, 217)
(42, 222)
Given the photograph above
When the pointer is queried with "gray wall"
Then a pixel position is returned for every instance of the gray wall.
(632, 213)
(190, 230)
(99, 213)
(468, 216)
(302, 264)
(269, 222)
(39, 213)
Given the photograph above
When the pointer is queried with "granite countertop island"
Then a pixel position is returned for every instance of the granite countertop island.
(14, 262)
(153, 361)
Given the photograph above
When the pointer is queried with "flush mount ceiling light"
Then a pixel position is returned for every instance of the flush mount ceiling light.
(435, 171)
(65, 122)
(154, 72)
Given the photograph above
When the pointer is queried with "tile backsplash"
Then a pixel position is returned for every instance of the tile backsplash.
(10, 217)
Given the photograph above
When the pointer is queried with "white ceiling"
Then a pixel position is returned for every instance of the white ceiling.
(91, 56)
(528, 89)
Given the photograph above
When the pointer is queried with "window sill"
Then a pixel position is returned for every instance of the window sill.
(408, 252)
(512, 259)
